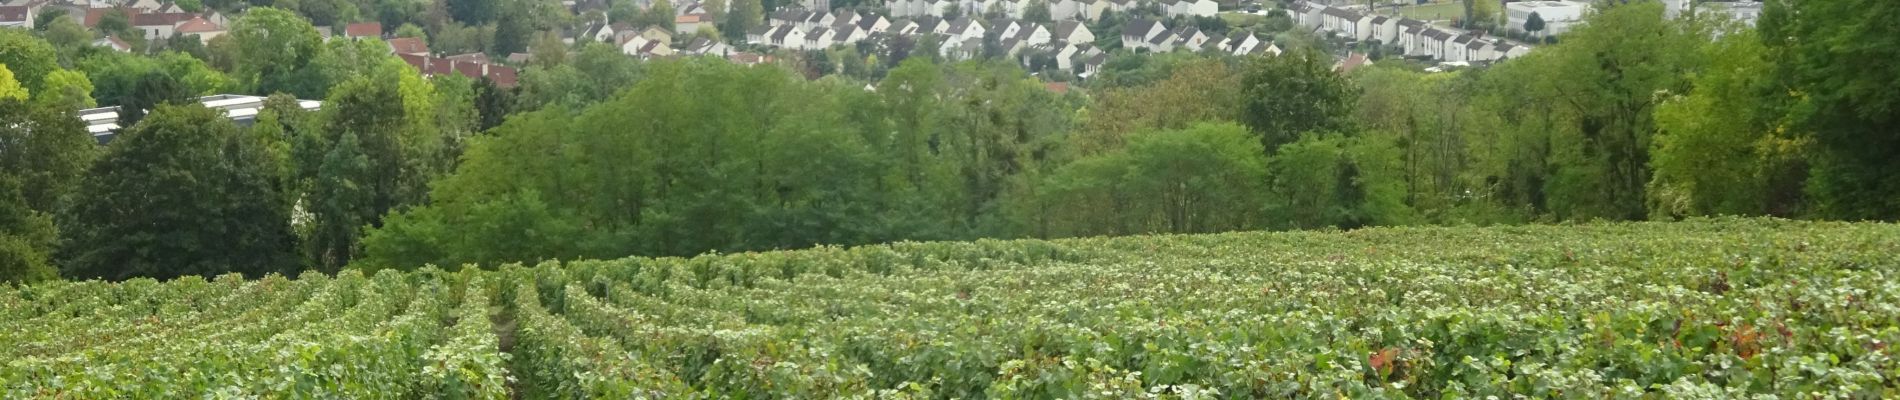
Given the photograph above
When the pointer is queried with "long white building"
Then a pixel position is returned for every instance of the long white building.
(1558, 15)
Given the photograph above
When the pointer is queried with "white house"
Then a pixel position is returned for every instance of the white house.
(847, 34)
(965, 29)
(1558, 15)
(815, 20)
(1199, 8)
(1384, 29)
(1457, 49)
(1434, 42)
(1084, 10)
(1479, 50)
(901, 28)
(1162, 43)
(1409, 39)
(1137, 33)
(1071, 31)
(1190, 38)
(1346, 23)
(932, 25)
(1033, 35)
(873, 24)
(817, 39)
(1507, 50)
(690, 23)
(1005, 27)
(1307, 14)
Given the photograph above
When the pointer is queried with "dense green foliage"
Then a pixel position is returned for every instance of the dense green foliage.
(1719, 308)
(182, 193)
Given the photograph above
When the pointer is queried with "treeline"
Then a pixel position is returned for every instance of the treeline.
(1632, 116)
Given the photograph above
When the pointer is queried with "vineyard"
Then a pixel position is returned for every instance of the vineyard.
(1721, 308)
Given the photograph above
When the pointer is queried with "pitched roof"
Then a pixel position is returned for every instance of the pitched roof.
(363, 29)
(1341, 13)
(1380, 20)
(961, 26)
(1065, 28)
(1437, 34)
(1352, 61)
(1188, 31)
(408, 45)
(15, 13)
(690, 19)
(114, 41)
(1411, 22)
(1138, 28)
(928, 24)
(816, 34)
(778, 34)
(844, 30)
(790, 15)
(1164, 37)
(867, 23)
(199, 25)
(502, 76)
(1477, 44)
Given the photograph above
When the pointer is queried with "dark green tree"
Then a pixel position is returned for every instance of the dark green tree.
(30, 58)
(1534, 24)
(181, 193)
(1292, 94)
(1850, 107)
(26, 238)
(340, 204)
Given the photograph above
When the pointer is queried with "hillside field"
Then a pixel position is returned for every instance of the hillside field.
(1717, 308)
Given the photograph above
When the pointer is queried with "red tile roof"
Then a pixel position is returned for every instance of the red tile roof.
(1057, 87)
(363, 29)
(502, 76)
(408, 46)
(199, 25)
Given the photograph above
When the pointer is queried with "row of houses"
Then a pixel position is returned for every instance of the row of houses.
(1416, 38)
(1081, 10)
(1155, 37)
(800, 30)
(152, 19)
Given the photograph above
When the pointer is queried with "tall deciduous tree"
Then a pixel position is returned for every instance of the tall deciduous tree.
(1725, 148)
(1851, 106)
(26, 238)
(181, 193)
(1293, 94)
(29, 58)
(276, 49)
(46, 149)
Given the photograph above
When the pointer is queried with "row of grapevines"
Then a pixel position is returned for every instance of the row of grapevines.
(553, 359)
(469, 364)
